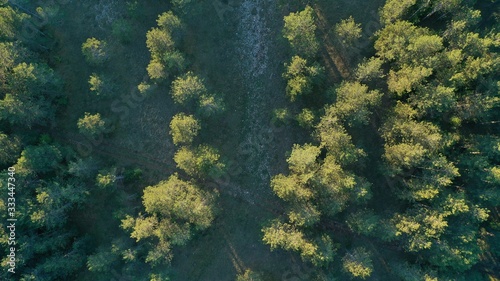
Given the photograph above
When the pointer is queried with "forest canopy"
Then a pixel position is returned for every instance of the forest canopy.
(250, 140)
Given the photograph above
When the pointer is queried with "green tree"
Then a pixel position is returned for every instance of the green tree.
(30, 90)
(175, 209)
(393, 41)
(39, 159)
(85, 168)
(10, 22)
(303, 160)
(301, 77)
(290, 188)
(10, 149)
(364, 222)
(354, 102)
(159, 41)
(348, 31)
(95, 51)
(406, 79)
(395, 10)
(106, 178)
(101, 261)
(358, 263)
(54, 201)
(171, 23)
(369, 70)
(434, 100)
(333, 136)
(184, 128)
(187, 88)
(156, 70)
(306, 118)
(100, 85)
(200, 161)
(300, 30)
(282, 235)
(91, 124)
(210, 104)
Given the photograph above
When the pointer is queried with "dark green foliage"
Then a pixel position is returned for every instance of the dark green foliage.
(30, 89)
(39, 159)
(11, 147)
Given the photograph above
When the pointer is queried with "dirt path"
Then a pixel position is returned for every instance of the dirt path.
(257, 49)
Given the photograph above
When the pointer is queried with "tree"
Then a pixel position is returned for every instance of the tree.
(300, 31)
(420, 228)
(319, 251)
(306, 118)
(181, 200)
(187, 88)
(333, 136)
(406, 79)
(101, 261)
(358, 263)
(210, 104)
(354, 101)
(369, 70)
(336, 187)
(161, 41)
(10, 149)
(106, 178)
(434, 100)
(91, 124)
(201, 161)
(170, 23)
(394, 39)
(54, 201)
(303, 160)
(301, 77)
(364, 222)
(10, 23)
(348, 31)
(99, 85)
(156, 70)
(30, 90)
(39, 159)
(84, 168)
(394, 10)
(184, 128)
(290, 188)
(174, 62)
(95, 51)
(175, 209)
